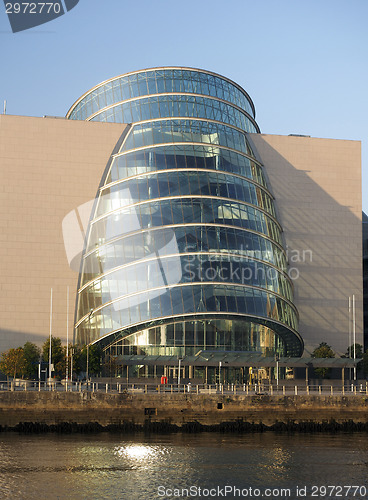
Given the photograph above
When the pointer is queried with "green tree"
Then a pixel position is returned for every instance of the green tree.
(362, 367)
(323, 351)
(58, 355)
(77, 361)
(32, 355)
(365, 363)
(94, 363)
(80, 359)
(13, 362)
(110, 365)
(358, 351)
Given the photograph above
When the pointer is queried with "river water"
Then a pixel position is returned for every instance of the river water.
(120, 466)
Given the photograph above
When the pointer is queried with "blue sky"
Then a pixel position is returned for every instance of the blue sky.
(303, 62)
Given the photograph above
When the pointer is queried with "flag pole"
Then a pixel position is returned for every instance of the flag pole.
(50, 335)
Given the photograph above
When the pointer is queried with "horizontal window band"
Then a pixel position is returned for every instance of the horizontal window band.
(199, 316)
(189, 197)
(163, 257)
(204, 283)
(171, 94)
(188, 143)
(192, 224)
(155, 70)
(187, 169)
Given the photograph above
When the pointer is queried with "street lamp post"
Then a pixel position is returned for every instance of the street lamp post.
(50, 352)
(87, 362)
(179, 372)
(354, 339)
(89, 321)
(277, 370)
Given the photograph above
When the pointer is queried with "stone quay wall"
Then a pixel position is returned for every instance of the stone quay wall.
(55, 408)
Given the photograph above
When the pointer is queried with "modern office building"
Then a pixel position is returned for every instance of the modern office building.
(365, 279)
(205, 235)
(184, 251)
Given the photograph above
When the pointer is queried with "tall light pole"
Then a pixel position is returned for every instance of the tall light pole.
(67, 337)
(350, 335)
(179, 371)
(87, 362)
(50, 364)
(89, 320)
(354, 340)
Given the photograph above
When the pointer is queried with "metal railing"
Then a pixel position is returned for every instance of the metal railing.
(262, 389)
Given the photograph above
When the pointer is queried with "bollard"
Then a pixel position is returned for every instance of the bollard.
(319, 389)
(247, 390)
(271, 390)
(197, 389)
(308, 390)
(222, 389)
(283, 390)
(296, 390)
(145, 389)
(234, 389)
(331, 390)
(107, 387)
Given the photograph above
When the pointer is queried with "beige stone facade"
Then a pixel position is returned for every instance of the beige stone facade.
(48, 168)
(317, 189)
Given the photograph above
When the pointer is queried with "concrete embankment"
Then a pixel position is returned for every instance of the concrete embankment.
(182, 411)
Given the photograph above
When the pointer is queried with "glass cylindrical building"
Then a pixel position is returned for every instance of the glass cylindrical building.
(184, 251)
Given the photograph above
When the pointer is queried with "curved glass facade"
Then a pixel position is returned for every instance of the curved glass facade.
(184, 251)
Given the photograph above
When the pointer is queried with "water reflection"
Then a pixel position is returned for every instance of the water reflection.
(118, 466)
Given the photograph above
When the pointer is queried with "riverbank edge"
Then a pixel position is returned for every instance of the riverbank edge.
(237, 427)
(66, 412)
